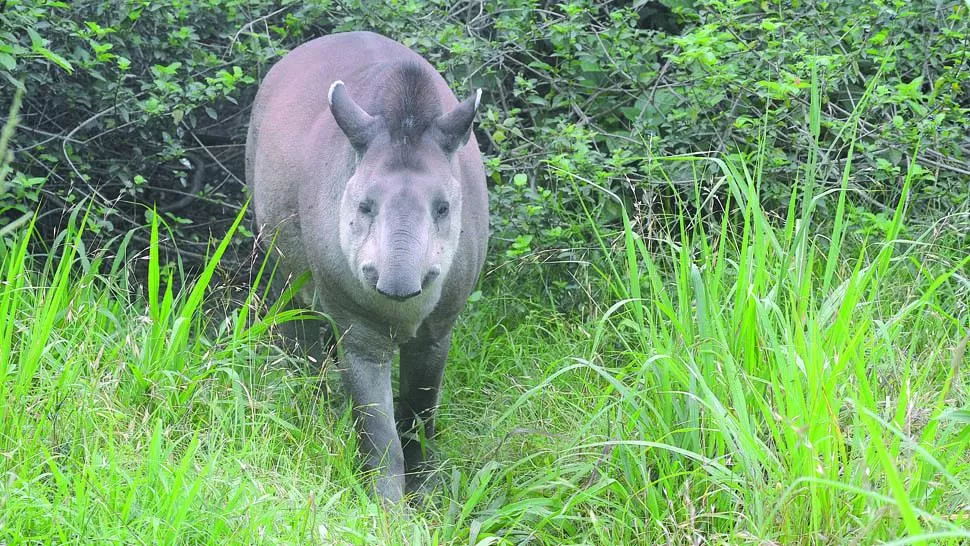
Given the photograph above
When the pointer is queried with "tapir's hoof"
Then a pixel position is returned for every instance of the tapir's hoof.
(423, 481)
(390, 490)
(423, 489)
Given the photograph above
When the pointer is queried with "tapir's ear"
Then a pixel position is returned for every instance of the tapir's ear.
(453, 128)
(359, 126)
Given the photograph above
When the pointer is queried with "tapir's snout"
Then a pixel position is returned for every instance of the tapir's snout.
(400, 269)
(398, 296)
(395, 284)
(397, 291)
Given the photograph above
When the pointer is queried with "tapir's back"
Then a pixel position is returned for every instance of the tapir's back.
(295, 89)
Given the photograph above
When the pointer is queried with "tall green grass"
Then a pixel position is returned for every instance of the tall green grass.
(749, 387)
(790, 391)
(754, 382)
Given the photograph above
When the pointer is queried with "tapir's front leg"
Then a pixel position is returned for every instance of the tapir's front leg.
(422, 367)
(366, 371)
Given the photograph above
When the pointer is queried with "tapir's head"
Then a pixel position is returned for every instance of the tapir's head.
(400, 214)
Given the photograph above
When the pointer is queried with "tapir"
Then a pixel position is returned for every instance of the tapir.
(365, 173)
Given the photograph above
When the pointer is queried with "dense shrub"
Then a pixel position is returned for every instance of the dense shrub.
(127, 100)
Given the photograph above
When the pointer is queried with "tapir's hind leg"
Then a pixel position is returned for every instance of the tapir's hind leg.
(310, 336)
(291, 288)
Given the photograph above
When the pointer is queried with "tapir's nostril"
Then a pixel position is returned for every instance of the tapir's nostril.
(369, 271)
(430, 277)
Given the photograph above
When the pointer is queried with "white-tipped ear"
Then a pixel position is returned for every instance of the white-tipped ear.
(454, 127)
(334, 86)
(359, 126)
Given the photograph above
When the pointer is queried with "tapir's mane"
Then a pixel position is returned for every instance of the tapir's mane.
(409, 106)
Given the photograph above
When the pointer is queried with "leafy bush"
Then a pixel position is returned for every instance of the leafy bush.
(125, 103)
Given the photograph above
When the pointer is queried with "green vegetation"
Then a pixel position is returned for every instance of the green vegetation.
(762, 344)
(127, 100)
(737, 388)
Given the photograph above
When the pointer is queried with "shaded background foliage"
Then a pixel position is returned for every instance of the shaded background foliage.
(129, 103)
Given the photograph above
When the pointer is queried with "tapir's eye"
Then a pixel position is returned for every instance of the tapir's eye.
(441, 210)
(366, 207)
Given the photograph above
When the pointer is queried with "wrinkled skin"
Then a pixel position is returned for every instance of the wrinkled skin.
(386, 207)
